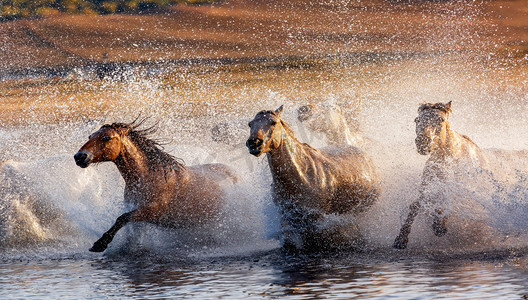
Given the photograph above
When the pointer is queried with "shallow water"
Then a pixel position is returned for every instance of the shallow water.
(52, 211)
(268, 275)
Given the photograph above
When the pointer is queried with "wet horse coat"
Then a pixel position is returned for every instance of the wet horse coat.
(164, 190)
(448, 150)
(309, 184)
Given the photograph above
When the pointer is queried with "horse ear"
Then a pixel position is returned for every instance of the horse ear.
(279, 110)
(123, 130)
(448, 106)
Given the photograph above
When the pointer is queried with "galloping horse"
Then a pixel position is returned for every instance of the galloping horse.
(447, 149)
(309, 184)
(164, 190)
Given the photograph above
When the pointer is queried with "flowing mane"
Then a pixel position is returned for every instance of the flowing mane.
(153, 149)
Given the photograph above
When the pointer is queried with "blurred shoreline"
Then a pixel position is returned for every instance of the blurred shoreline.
(204, 57)
(265, 32)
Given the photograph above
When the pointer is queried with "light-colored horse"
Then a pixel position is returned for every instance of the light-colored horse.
(340, 125)
(447, 150)
(164, 190)
(230, 132)
(309, 184)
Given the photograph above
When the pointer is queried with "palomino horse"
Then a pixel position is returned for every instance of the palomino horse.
(447, 149)
(339, 125)
(309, 184)
(164, 190)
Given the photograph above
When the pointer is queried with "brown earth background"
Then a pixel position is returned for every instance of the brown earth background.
(247, 33)
(253, 29)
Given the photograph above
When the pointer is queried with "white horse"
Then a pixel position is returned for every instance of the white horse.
(338, 123)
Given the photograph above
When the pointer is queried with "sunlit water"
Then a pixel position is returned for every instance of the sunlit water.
(52, 211)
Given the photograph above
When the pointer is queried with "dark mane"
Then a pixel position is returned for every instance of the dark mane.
(285, 125)
(439, 106)
(271, 112)
(468, 139)
(156, 157)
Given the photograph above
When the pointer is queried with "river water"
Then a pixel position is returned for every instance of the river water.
(52, 211)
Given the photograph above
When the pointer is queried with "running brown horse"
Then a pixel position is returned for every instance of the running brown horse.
(447, 149)
(164, 191)
(309, 184)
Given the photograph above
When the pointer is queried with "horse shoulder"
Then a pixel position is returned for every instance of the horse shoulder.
(352, 158)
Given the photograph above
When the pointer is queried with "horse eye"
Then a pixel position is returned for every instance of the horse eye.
(416, 120)
(106, 138)
(250, 123)
(273, 123)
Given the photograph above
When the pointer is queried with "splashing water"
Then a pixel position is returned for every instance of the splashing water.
(50, 200)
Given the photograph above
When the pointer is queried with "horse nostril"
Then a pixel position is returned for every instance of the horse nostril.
(80, 156)
(82, 159)
(254, 142)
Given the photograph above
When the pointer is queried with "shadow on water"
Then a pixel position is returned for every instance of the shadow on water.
(272, 274)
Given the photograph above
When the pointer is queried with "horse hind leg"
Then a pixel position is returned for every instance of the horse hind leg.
(439, 223)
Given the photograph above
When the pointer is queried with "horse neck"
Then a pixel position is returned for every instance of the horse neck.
(132, 162)
(286, 159)
(451, 147)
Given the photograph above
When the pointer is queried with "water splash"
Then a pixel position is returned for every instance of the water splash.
(81, 204)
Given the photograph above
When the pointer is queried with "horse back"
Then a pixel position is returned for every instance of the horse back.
(334, 179)
(350, 158)
(219, 173)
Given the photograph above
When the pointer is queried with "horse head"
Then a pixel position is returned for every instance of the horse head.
(305, 112)
(103, 145)
(431, 126)
(264, 134)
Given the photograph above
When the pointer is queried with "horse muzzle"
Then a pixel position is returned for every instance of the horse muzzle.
(254, 146)
(83, 159)
(423, 146)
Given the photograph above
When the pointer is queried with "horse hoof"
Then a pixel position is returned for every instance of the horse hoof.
(439, 228)
(399, 244)
(439, 232)
(97, 248)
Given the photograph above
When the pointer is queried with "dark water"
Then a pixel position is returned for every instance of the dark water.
(268, 275)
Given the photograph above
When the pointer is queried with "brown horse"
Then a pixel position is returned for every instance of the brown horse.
(164, 190)
(447, 149)
(309, 184)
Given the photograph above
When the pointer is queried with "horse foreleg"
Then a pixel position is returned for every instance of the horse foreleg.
(101, 244)
(439, 223)
(403, 238)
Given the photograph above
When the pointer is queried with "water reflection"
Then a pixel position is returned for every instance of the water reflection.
(263, 276)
